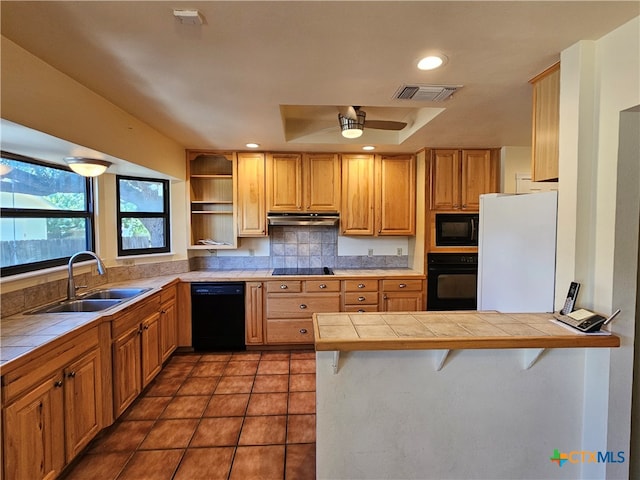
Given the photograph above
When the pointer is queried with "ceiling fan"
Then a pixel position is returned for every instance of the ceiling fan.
(352, 122)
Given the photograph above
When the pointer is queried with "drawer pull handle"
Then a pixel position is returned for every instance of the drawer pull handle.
(303, 331)
(302, 306)
(361, 299)
(71, 374)
(361, 285)
(283, 287)
(402, 285)
(361, 310)
(58, 384)
(322, 285)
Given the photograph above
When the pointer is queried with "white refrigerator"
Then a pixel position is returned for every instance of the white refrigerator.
(517, 252)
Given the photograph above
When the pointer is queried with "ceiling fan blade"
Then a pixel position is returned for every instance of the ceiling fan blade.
(384, 124)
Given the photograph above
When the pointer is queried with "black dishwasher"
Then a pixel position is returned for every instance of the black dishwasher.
(217, 316)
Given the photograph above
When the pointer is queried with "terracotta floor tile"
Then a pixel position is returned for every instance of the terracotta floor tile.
(102, 466)
(228, 405)
(275, 356)
(303, 355)
(170, 434)
(186, 358)
(241, 367)
(301, 429)
(235, 384)
(124, 436)
(208, 369)
(258, 463)
(303, 382)
(270, 383)
(198, 386)
(146, 408)
(186, 407)
(215, 357)
(217, 432)
(301, 462)
(267, 404)
(245, 356)
(303, 366)
(264, 430)
(302, 402)
(272, 367)
(163, 387)
(151, 464)
(176, 370)
(205, 464)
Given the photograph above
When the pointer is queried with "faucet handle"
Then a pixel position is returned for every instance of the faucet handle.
(78, 287)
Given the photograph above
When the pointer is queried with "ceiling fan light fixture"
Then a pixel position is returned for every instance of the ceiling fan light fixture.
(432, 62)
(87, 167)
(352, 128)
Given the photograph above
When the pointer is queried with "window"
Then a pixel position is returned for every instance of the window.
(46, 214)
(143, 215)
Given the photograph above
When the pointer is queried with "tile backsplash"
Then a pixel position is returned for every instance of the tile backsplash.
(303, 246)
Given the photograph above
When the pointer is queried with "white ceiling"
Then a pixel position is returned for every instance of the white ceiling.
(276, 73)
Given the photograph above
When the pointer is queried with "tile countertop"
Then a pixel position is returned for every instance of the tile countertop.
(447, 330)
(23, 334)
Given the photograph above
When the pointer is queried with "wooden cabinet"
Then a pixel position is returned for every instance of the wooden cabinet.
(252, 211)
(136, 351)
(290, 305)
(253, 313)
(211, 188)
(168, 322)
(459, 177)
(378, 195)
(360, 295)
(52, 408)
(403, 295)
(545, 123)
(303, 183)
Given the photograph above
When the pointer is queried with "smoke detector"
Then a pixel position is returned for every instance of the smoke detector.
(188, 17)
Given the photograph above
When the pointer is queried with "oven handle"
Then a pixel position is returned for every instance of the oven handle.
(474, 233)
(446, 269)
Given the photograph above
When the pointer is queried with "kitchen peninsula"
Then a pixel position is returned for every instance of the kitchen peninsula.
(420, 395)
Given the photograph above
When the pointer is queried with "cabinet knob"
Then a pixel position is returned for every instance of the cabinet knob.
(283, 287)
(464, 205)
(361, 310)
(361, 299)
(303, 331)
(163, 312)
(71, 374)
(384, 297)
(361, 285)
(260, 286)
(58, 384)
(402, 285)
(146, 327)
(302, 306)
(455, 205)
(322, 285)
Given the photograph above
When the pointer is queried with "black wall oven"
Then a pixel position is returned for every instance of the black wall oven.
(452, 281)
(457, 229)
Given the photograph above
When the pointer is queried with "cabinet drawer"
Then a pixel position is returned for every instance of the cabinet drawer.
(361, 298)
(284, 286)
(289, 331)
(370, 285)
(402, 285)
(322, 285)
(136, 313)
(361, 308)
(301, 306)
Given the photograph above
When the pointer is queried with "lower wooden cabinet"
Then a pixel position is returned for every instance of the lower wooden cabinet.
(361, 295)
(168, 322)
(47, 422)
(253, 299)
(403, 295)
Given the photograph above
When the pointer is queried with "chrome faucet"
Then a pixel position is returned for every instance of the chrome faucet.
(71, 285)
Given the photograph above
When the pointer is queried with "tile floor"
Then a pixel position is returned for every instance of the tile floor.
(239, 416)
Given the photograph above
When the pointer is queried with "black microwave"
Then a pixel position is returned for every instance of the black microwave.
(457, 229)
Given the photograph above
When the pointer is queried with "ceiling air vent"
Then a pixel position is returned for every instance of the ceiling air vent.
(426, 93)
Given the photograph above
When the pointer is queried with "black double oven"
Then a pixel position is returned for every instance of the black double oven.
(453, 277)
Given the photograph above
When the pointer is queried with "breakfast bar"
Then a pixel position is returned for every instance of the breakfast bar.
(420, 395)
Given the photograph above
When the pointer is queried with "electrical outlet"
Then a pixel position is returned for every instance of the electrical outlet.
(370, 254)
(128, 262)
(399, 251)
(252, 252)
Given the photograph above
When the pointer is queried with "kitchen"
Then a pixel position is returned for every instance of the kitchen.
(578, 223)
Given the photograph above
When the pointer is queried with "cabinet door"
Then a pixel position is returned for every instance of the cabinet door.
(33, 433)
(546, 119)
(127, 382)
(445, 180)
(396, 212)
(252, 212)
(150, 348)
(284, 182)
(83, 402)
(253, 313)
(358, 185)
(168, 329)
(476, 177)
(402, 302)
(321, 182)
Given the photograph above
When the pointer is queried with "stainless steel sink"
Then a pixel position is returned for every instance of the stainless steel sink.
(114, 293)
(82, 305)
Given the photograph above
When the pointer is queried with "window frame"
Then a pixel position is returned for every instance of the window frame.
(165, 215)
(88, 214)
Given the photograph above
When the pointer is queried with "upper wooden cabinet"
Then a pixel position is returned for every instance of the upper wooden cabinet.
(303, 183)
(378, 194)
(252, 211)
(545, 122)
(459, 177)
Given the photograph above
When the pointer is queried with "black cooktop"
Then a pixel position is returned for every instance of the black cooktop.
(302, 271)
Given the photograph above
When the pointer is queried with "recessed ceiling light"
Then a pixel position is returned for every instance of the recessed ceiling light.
(368, 147)
(252, 145)
(432, 62)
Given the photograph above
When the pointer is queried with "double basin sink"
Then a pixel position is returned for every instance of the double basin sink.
(95, 301)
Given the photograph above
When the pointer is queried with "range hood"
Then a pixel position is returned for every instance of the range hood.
(297, 218)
